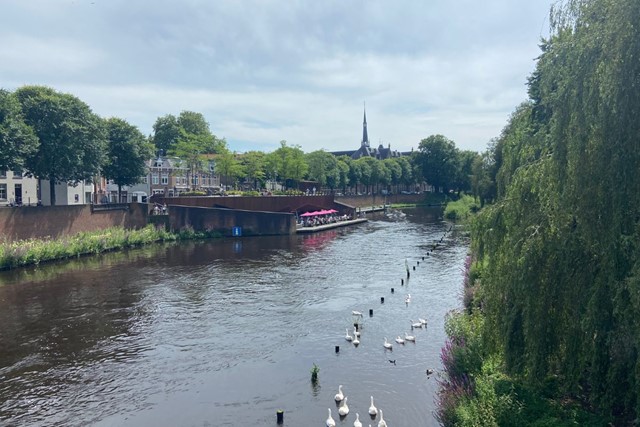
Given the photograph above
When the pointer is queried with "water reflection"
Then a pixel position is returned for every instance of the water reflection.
(226, 332)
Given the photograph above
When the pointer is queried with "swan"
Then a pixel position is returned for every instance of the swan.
(356, 341)
(348, 337)
(387, 344)
(340, 395)
(416, 324)
(408, 337)
(407, 299)
(330, 421)
(399, 340)
(343, 409)
(356, 333)
(423, 321)
(356, 313)
(372, 409)
(382, 422)
(357, 422)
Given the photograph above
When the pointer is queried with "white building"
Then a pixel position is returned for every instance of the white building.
(16, 190)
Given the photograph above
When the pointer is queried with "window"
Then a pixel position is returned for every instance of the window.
(145, 180)
(3, 173)
(154, 179)
(194, 180)
(17, 174)
(165, 179)
(3, 191)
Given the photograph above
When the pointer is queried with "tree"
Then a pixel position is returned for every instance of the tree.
(438, 158)
(190, 149)
(127, 153)
(253, 163)
(289, 162)
(72, 138)
(166, 132)
(228, 166)
(322, 168)
(17, 140)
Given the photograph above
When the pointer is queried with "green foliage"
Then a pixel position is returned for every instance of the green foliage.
(461, 209)
(438, 160)
(72, 138)
(315, 370)
(17, 139)
(561, 244)
(127, 153)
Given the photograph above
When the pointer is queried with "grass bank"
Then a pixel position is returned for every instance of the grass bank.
(462, 209)
(35, 251)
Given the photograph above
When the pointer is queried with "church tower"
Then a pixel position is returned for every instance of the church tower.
(365, 135)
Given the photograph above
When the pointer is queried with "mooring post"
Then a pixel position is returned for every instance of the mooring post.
(414, 268)
(370, 312)
(381, 300)
(392, 290)
(401, 282)
(337, 349)
(280, 416)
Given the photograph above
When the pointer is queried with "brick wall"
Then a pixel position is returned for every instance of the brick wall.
(55, 221)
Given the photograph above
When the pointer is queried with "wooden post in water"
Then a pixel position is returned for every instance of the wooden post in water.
(280, 416)
(381, 300)
(371, 312)
(337, 349)
(392, 290)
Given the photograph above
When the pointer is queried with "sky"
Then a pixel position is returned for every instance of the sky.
(264, 71)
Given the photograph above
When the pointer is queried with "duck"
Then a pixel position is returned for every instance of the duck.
(357, 422)
(373, 411)
(356, 333)
(343, 410)
(429, 371)
(356, 341)
(382, 422)
(399, 340)
(416, 324)
(408, 337)
(330, 421)
(387, 344)
(423, 321)
(348, 337)
(339, 396)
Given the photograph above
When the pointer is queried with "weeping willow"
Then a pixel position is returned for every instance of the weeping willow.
(562, 243)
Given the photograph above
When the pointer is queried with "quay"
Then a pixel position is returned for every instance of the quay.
(301, 230)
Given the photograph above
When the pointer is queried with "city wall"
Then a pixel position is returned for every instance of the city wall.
(56, 221)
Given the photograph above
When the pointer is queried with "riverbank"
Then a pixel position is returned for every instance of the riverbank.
(22, 253)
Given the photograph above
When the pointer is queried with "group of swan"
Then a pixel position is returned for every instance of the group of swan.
(343, 410)
(355, 339)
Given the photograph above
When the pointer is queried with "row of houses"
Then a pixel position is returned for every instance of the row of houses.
(165, 175)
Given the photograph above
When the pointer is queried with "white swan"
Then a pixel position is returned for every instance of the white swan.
(372, 409)
(423, 321)
(356, 333)
(416, 324)
(357, 422)
(339, 396)
(348, 337)
(356, 341)
(407, 299)
(399, 340)
(356, 313)
(330, 421)
(408, 337)
(382, 422)
(387, 344)
(343, 409)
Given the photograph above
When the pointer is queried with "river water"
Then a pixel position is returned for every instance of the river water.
(225, 332)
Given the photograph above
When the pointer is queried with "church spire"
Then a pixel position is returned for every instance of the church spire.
(365, 135)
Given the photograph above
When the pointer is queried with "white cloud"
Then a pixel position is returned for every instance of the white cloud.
(265, 71)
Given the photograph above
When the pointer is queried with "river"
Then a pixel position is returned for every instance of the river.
(225, 332)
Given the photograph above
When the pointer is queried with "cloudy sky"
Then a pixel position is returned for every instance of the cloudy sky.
(264, 71)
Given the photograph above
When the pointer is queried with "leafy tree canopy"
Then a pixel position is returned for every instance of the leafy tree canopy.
(17, 140)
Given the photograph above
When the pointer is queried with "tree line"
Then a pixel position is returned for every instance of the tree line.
(559, 249)
(55, 136)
